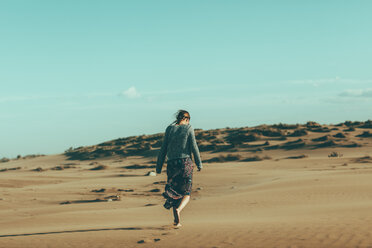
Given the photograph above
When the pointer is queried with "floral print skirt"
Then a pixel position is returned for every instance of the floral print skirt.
(179, 183)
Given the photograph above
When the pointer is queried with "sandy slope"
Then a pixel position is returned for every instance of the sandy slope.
(311, 202)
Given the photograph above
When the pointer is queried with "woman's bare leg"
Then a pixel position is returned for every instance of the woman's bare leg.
(183, 203)
(176, 216)
(177, 211)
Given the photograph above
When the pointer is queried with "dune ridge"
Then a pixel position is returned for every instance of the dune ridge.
(282, 185)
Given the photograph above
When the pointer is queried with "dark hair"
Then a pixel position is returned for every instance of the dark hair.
(179, 115)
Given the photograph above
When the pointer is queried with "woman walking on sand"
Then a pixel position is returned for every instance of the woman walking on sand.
(179, 142)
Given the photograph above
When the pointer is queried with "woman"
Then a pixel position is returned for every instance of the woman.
(179, 142)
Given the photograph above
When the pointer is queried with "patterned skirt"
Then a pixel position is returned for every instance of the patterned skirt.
(179, 183)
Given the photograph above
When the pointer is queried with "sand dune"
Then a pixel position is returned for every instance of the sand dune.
(298, 197)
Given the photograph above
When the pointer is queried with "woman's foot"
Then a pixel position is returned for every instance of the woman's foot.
(177, 224)
(176, 215)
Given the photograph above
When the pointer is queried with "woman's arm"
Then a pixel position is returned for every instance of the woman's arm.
(195, 149)
(163, 152)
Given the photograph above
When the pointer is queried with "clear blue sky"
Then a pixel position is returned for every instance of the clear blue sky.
(76, 73)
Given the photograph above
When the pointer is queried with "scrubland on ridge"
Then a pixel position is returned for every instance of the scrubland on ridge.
(282, 185)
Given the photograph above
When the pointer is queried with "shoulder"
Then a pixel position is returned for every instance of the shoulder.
(189, 128)
(169, 127)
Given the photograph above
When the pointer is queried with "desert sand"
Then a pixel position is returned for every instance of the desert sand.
(263, 186)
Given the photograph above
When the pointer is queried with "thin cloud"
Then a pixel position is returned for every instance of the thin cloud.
(322, 81)
(131, 93)
(166, 92)
(151, 96)
(317, 82)
(360, 93)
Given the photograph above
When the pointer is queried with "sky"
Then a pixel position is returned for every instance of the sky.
(78, 73)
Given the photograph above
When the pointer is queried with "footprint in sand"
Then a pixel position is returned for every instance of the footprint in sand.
(155, 190)
(160, 182)
(142, 241)
(169, 227)
(150, 205)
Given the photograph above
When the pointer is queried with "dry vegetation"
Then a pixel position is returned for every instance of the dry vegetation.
(244, 139)
(10, 169)
(4, 159)
(100, 167)
(365, 159)
(269, 167)
(297, 157)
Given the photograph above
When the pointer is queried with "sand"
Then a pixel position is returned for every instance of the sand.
(315, 201)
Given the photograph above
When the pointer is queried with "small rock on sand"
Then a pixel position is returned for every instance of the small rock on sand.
(155, 190)
(126, 190)
(99, 190)
(142, 241)
(151, 174)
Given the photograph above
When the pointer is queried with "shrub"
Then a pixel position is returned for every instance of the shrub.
(329, 143)
(100, 167)
(209, 147)
(298, 157)
(137, 166)
(8, 169)
(255, 158)
(251, 159)
(320, 130)
(217, 141)
(231, 157)
(339, 135)
(69, 150)
(323, 138)
(334, 155)
(4, 160)
(298, 133)
(285, 126)
(312, 124)
(294, 144)
(365, 134)
(272, 133)
(350, 123)
(238, 138)
(222, 158)
(62, 167)
(350, 129)
(352, 145)
(367, 124)
(365, 159)
(33, 156)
